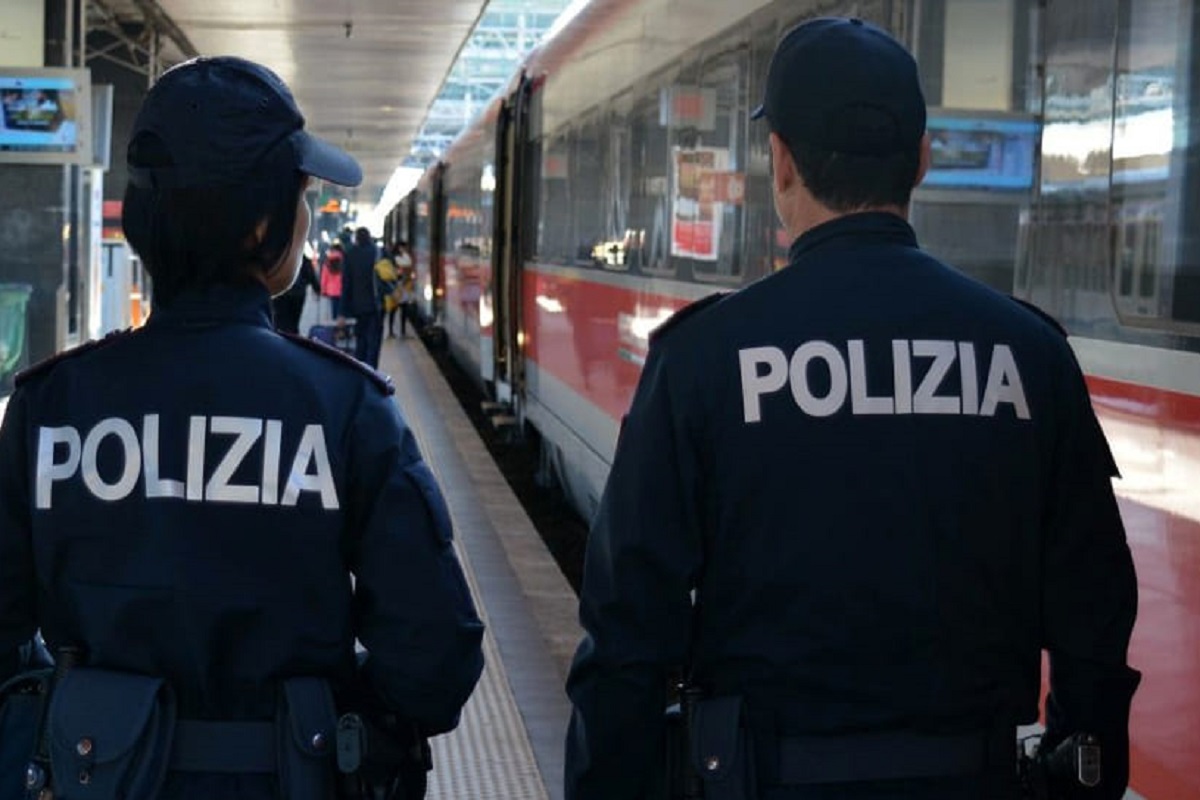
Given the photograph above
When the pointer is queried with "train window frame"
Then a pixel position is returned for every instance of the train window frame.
(561, 142)
(1159, 313)
(728, 56)
(649, 101)
(592, 126)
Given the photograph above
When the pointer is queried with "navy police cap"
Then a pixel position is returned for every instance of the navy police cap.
(220, 119)
(844, 85)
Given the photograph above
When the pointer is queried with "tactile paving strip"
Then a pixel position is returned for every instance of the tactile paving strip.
(490, 754)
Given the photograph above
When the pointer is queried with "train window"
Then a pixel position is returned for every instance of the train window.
(1155, 174)
(767, 243)
(530, 191)
(649, 210)
(977, 60)
(611, 250)
(554, 220)
(1068, 236)
(586, 168)
(708, 112)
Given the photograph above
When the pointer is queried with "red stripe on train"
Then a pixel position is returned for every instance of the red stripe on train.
(1167, 408)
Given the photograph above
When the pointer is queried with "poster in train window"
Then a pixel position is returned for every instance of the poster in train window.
(696, 212)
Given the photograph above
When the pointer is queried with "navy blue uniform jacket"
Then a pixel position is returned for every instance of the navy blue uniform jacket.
(206, 500)
(887, 488)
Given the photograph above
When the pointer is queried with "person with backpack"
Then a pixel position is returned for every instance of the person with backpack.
(331, 278)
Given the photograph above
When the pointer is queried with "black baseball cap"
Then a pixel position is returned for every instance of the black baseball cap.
(844, 85)
(220, 118)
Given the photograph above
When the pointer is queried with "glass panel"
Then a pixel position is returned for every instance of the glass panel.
(1157, 257)
(555, 234)
(1070, 239)
(707, 112)
(588, 148)
(648, 199)
(977, 68)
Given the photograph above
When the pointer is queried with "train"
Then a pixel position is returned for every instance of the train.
(619, 178)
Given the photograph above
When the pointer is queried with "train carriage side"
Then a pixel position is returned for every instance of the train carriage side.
(428, 216)
(469, 188)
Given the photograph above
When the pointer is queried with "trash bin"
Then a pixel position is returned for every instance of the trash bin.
(14, 332)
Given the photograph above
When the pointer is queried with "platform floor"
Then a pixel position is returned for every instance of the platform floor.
(510, 741)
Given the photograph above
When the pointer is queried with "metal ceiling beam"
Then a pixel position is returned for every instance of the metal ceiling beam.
(122, 62)
(159, 19)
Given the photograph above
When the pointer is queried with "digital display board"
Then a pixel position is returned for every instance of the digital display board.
(982, 152)
(45, 116)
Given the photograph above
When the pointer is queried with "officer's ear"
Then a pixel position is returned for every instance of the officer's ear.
(260, 232)
(926, 159)
(783, 167)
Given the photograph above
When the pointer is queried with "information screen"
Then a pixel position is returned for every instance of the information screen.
(44, 118)
(982, 153)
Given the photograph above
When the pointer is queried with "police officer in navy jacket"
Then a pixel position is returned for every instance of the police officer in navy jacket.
(206, 499)
(854, 501)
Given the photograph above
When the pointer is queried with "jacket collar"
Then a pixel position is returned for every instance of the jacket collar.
(872, 226)
(213, 305)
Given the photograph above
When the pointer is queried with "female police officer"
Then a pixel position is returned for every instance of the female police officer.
(188, 501)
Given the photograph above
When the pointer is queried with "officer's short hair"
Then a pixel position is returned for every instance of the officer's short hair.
(846, 99)
(199, 236)
(844, 182)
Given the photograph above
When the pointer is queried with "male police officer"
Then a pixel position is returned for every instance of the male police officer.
(882, 481)
(190, 501)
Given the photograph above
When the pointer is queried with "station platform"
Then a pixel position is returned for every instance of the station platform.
(510, 741)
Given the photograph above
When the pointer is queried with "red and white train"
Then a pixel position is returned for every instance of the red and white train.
(621, 178)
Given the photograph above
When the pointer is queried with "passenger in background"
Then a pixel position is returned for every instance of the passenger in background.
(402, 290)
(289, 306)
(408, 297)
(388, 288)
(331, 278)
(203, 516)
(852, 503)
(360, 297)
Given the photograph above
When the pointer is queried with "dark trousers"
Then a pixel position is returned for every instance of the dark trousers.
(368, 335)
(408, 316)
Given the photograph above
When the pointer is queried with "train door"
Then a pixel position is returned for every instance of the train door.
(508, 248)
(437, 244)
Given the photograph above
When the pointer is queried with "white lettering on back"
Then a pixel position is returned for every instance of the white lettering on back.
(925, 399)
(923, 373)
(130, 471)
(64, 454)
(48, 470)
(838, 382)
(311, 452)
(754, 385)
(1004, 385)
(219, 488)
(155, 486)
(861, 402)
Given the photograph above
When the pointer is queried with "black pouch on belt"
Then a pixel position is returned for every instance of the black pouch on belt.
(307, 725)
(721, 749)
(110, 735)
(21, 700)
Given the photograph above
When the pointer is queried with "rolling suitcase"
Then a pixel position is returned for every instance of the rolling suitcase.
(337, 336)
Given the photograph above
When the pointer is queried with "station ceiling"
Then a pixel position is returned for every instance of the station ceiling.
(364, 72)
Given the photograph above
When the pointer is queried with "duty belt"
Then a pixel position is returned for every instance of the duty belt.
(204, 746)
(885, 756)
